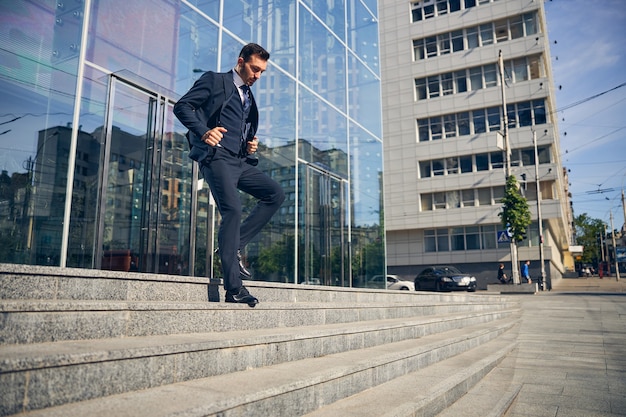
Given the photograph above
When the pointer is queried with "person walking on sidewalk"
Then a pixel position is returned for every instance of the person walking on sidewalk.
(502, 275)
(222, 117)
(526, 273)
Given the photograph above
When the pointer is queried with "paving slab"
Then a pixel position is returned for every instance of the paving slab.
(570, 359)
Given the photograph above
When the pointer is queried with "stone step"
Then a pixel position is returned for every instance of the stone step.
(89, 369)
(292, 387)
(438, 390)
(26, 282)
(28, 321)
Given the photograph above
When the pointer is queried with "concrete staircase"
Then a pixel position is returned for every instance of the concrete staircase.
(77, 342)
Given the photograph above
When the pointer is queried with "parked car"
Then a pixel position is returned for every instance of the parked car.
(311, 281)
(444, 278)
(391, 282)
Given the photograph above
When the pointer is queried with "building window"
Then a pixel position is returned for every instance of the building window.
(425, 169)
(427, 202)
(466, 163)
(482, 162)
(472, 238)
(467, 198)
(457, 238)
(486, 34)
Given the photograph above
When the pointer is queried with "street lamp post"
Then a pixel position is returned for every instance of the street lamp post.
(614, 248)
(507, 153)
(539, 218)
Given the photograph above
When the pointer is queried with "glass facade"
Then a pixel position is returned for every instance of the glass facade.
(94, 166)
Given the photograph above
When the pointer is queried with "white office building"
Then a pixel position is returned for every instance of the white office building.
(443, 102)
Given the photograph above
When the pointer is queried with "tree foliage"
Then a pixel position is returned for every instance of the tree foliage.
(515, 213)
(588, 231)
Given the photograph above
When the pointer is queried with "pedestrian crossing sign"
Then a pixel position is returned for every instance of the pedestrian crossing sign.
(503, 236)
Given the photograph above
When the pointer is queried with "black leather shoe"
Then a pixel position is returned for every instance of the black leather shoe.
(243, 271)
(241, 296)
(242, 268)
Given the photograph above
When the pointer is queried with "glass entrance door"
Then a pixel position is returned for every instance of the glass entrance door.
(145, 199)
(323, 228)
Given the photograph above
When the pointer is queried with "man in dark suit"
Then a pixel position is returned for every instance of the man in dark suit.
(222, 117)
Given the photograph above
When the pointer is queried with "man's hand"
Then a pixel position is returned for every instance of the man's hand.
(252, 145)
(214, 136)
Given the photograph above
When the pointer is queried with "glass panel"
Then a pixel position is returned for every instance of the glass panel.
(491, 75)
(484, 196)
(472, 238)
(452, 165)
(476, 78)
(472, 37)
(493, 118)
(430, 241)
(364, 96)
(442, 240)
(463, 123)
(530, 24)
(520, 70)
(544, 154)
(453, 199)
(86, 172)
(435, 127)
(425, 169)
(420, 88)
(533, 63)
(431, 46)
(128, 234)
(444, 43)
(528, 157)
(467, 197)
(478, 117)
(362, 33)
(450, 125)
(488, 235)
(497, 160)
(447, 87)
(457, 40)
(523, 111)
(323, 61)
(419, 49)
(323, 229)
(438, 167)
(539, 111)
(433, 86)
(323, 137)
(38, 81)
(486, 34)
(498, 194)
(440, 201)
(423, 130)
(482, 162)
(457, 239)
(196, 51)
(332, 13)
(516, 26)
(502, 30)
(466, 164)
(368, 242)
(174, 185)
(460, 80)
(427, 202)
(116, 38)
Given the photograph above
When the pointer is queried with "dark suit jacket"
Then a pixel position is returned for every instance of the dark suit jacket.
(200, 108)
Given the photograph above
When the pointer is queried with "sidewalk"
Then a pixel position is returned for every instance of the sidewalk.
(571, 358)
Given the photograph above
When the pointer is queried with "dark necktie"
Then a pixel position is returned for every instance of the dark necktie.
(246, 97)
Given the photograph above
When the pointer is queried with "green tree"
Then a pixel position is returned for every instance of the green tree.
(588, 231)
(515, 213)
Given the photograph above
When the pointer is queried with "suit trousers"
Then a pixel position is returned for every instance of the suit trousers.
(226, 173)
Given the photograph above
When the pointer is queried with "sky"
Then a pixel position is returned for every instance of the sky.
(588, 48)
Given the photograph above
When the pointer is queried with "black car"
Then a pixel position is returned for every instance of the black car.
(444, 278)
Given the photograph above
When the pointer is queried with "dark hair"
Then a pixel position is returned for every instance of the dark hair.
(253, 49)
